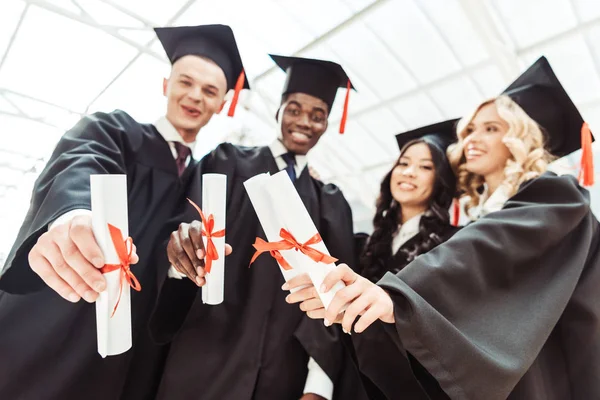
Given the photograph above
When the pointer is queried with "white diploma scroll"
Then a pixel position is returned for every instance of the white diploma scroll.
(214, 202)
(278, 206)
(109, 206)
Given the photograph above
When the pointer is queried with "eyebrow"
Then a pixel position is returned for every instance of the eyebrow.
(210, 85)
(422, 159)
(487, 123)
(294, 102)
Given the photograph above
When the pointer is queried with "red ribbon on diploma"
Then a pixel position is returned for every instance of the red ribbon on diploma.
(124, 255)
(209, 226)
(289, 242)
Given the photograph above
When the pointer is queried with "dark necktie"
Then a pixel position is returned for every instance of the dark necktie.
(290, 160)
(183, 152)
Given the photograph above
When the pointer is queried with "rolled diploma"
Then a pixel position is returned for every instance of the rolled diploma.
(214, 201)
(293, 216)
(109, 206)
(262, 203)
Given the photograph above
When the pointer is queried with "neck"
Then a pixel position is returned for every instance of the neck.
(493, 181)
(410, 212)
(188, 135)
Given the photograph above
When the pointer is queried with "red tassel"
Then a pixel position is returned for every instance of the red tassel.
(236, 94)
(586, 173)
(455, 212)
(345, 113)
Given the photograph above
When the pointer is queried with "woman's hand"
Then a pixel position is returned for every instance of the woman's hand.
(362, 298)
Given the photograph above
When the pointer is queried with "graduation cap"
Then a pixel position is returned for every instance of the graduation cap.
(540, 94)
(318, 78)
(215, 42)
(441, 135)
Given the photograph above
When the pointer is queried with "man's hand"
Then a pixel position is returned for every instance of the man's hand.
(186, 251)
(312, 396)
(68, 259)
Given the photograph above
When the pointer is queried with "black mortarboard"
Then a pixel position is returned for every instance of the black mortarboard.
(215, 42)
(442, 134)
(539, 93)
(319, 78)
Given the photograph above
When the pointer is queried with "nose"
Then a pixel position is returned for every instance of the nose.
(473, 137)
(409, 171)
(303, 121)
(195, 94)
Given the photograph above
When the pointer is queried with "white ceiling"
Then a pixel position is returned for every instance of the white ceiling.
(413, 62)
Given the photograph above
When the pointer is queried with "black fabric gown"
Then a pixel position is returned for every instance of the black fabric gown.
(509, 307)
(254, 345)
(48, 345)
(387, 371)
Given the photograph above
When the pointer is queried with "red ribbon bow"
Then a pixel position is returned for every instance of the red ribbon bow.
(289, 242)
(124, 255)
(207, 231)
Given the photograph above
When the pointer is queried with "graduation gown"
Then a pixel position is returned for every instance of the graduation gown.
(386, 370)
(509, 307)
(254, 345)
(48, 345)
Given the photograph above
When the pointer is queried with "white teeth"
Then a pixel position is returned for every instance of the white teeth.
(300, 133)
(474, 153)
(407, 186)
(301, 136)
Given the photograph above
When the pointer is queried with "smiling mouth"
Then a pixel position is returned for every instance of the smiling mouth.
(192, 112)
(473, 153)
(300, 137)
(406, 186)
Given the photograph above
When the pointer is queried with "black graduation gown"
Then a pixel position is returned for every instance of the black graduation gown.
(48, 345)
(254, 345)
(386, 369)
(509, 307)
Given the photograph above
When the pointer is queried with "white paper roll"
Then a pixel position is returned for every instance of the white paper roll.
(278, 205)
(109, 206)
(214, 201)
(263, 206)
(293, 216)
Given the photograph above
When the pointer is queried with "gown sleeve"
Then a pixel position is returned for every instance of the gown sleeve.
(477, 310)
(95, 145)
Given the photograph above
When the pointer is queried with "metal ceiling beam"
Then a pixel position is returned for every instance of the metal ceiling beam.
(35, 119)
(146, 22)
(87, 20)
(12, 37)
(178, 14)
(324, 37)
(449, 47)
(504, 57)
(424, 87)
(4, 91)
(586, 39)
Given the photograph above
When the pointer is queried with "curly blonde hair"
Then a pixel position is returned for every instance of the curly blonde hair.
(524, 139)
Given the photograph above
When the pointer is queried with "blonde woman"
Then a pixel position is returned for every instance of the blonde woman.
(509, 307)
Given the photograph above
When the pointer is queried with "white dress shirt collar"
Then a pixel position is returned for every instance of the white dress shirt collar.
(278, 149)
(407, 231)
(170, 134)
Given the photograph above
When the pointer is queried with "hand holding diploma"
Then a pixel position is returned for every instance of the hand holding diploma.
(67, 258)
(360, 298)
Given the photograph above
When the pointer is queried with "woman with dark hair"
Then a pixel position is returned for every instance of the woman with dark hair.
(411, 218)
(412, 208)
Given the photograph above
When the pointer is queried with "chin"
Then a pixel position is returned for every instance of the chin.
(294, 147)
(403, 198)
(474, 169)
